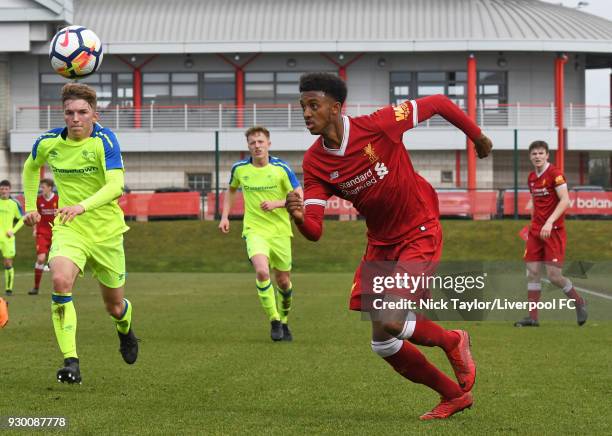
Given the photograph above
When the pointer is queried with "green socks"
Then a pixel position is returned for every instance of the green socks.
(9, 277)
(65, 323)
(284, 303)
(123, 323)
(265, 290)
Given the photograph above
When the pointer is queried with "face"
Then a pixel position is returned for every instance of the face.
(79, 118)
(319, 110)
(259, 144)
(5, 192)
(538, 157)
(46, 189)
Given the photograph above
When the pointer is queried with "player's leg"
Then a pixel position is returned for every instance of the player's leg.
(284, 299)
(534, 291)
(533, 257)
(9, 275)
(265, 292)
(280, 260)
(39, 267)
(555, 256)
(64, 272)
(408, 361)
(258, 250)
(108, 266)
(556, 277)
(8, 251)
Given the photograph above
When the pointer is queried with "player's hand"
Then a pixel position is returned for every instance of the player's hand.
(483, 146)
(546, 230)
(68, 213)
(295, 207)
(10, 234)
(224, 225)
(268, 205)
(31, 218)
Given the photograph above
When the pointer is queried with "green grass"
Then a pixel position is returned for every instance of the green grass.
(207, 366)
(197, 246)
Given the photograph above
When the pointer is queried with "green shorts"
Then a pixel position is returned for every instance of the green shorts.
(7, 247)
(277, 250)
(106, 258)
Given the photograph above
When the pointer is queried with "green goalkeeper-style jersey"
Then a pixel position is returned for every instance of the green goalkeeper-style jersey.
(10, 210)
(258, 184)
(79, 170)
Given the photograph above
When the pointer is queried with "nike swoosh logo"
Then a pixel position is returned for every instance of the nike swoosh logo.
(64, 43)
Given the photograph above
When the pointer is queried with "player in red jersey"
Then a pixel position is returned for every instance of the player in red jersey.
(546, 240)
(46, 203)
(364, 160)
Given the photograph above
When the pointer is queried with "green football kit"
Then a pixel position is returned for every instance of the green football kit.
(87, 173)
(267, 232)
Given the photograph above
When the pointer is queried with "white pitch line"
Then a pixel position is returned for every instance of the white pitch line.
(587, 291)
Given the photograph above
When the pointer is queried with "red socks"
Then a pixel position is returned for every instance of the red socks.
(430, 334)
(414, 366)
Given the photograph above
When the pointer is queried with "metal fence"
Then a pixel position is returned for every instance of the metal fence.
(189, 117)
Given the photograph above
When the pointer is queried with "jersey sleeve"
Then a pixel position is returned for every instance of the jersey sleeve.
(316, 194)
(234, 181)
(395, 120)
(112, 151)
(290, 181)
(558, 178)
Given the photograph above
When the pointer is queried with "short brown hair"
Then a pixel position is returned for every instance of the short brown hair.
(538, 144)
(49, 182)
(257, 129)
(79, 91)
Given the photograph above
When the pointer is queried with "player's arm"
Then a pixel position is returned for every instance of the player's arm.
(564, 202)
(30, 180)
(228, 202)
(308, 210)
(427, 107)
(19, 224)
(268, 205)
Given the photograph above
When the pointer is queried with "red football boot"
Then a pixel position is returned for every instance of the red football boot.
(461, 360)
(448, 408)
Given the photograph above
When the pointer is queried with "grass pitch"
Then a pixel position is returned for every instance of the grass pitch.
(207, 366)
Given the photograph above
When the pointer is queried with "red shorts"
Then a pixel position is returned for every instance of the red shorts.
(423, 248)
(43, 243)
(550, 250)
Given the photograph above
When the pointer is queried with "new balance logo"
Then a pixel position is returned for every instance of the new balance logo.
(334, 175)
(381, 170)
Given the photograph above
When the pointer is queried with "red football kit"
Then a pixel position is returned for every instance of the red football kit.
(543, 189)
(373, 170)
(46, 209)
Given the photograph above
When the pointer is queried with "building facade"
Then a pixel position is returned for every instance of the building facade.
(174, 73)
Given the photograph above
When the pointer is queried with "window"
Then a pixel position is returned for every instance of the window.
(446, 176)
(200, 182)
(272, 88)
(492, 89)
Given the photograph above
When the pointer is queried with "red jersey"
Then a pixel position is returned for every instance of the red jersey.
(543, 190)
(373, 170)
(46, 209)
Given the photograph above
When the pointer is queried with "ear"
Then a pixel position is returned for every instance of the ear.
(336, 108)
(96, 117)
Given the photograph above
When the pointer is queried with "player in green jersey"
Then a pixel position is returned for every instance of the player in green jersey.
(265, 181)
(10, 210)
(86, 162)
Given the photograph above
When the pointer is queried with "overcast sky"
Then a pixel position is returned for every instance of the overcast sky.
(597, 81)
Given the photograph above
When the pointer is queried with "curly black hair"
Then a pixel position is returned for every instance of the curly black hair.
(330, 84)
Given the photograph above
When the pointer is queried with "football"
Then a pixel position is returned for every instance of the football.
(75, 52)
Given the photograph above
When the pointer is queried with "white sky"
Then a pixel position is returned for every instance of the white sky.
(597, 81)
